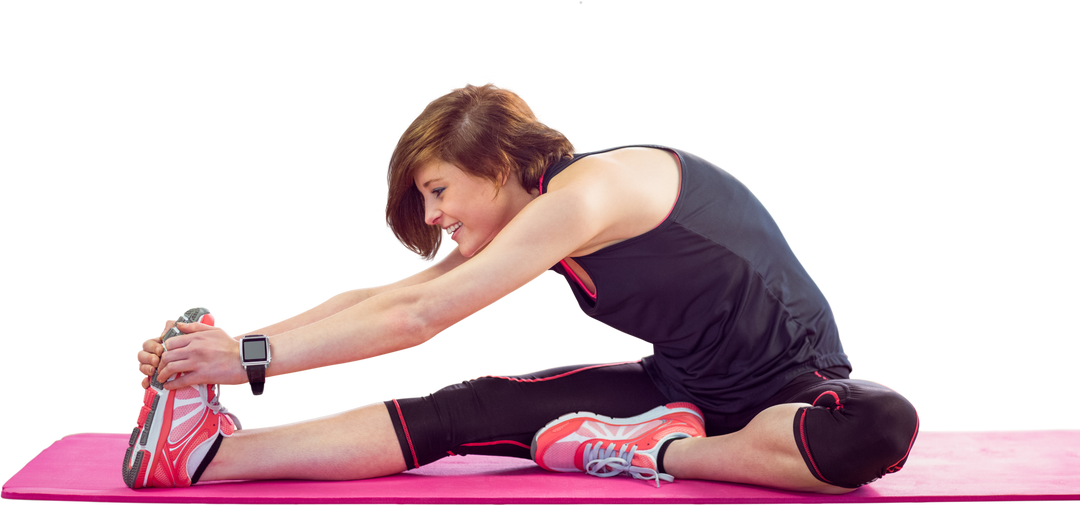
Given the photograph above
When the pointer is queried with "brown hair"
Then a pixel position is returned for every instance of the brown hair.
(486, 132)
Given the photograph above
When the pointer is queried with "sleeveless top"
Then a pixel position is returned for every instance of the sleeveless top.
(731, 313)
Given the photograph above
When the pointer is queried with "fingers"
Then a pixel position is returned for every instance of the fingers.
(152, 346)
(150, 357)
(148, 369)
(167, 324)
(193, 327)
(174, 369)
(178, 358)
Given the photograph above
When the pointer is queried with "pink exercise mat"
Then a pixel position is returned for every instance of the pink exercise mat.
(992, 466)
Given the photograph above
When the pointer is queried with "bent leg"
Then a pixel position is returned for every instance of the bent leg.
(358, 444)
(763, 453)
(846, 433)
(855, 431)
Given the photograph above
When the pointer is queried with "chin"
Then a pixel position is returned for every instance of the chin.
(468, 251)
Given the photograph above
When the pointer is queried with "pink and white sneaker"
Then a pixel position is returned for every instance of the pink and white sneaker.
(176, 429)
(605, 447)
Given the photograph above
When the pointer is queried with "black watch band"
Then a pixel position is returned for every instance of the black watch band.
(257, 378)
(255, 358)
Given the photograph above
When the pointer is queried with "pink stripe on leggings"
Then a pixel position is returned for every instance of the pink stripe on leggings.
(416, 463)
(497, 442)
(571, 372)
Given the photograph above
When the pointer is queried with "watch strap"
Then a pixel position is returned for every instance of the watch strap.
(256, 377)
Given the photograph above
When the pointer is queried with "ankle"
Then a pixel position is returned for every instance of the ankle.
(206, 459)
(226, 463)
(662, 452)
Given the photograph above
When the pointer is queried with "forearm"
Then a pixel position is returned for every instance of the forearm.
(322, 311)
(378, 325)
(354, 297)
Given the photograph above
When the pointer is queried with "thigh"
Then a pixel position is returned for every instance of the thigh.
(499, 415)
(854, 431)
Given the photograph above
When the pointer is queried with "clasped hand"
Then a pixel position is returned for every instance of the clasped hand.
(203, 353)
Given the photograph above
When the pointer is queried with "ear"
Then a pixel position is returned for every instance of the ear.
(504, 177)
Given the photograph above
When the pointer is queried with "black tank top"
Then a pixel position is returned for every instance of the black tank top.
(716, 289)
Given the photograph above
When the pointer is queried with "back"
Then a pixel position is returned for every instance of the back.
(731, 313)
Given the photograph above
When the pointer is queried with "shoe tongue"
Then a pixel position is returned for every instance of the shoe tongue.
(643, 461)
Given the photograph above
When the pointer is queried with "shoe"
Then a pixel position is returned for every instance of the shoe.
(176, 430)
(192, 315)
(605, 447)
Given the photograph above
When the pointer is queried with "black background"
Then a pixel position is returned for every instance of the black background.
(246, 182)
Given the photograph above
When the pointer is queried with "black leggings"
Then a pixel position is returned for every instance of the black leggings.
(853, 433)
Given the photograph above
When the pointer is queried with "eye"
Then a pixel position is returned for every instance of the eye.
(438, 192)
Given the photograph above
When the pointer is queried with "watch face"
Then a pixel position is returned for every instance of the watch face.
(254, 350)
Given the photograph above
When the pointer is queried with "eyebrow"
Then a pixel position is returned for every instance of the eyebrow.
(428, 183)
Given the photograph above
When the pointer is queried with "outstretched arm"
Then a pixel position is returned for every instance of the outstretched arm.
(593, 205)
(150, 355)
(350, 298)
(379, 326)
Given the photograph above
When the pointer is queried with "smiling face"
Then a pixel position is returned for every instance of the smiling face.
(471, 209)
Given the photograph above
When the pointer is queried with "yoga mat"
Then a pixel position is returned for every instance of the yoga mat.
(943, 467)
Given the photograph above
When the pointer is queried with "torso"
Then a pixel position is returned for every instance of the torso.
(654, 171)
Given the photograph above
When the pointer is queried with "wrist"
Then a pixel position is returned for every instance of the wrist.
(255, 358)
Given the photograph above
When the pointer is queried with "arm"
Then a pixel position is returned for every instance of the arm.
(587, 210)
(536, 239)
(350, 298)
(150, 355)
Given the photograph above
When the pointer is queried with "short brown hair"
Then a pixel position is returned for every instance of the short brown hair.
(485, 131)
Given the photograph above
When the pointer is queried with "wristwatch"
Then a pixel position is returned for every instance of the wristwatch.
(255, 358)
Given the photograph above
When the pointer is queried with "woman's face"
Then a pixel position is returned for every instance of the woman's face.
(472, 210)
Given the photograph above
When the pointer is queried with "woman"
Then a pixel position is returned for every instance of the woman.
(748, 382)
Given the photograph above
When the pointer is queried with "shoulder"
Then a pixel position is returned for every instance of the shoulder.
(630, 190)
(624, 165)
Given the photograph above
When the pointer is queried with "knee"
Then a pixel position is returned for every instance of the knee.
(861, 438)
(880, 435)
(892, 425)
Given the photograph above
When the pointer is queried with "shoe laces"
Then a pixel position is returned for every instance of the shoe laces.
(215, 398)
(211, 398)
(607, 462)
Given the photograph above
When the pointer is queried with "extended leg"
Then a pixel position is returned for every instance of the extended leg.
(763, 453)
(357, 444)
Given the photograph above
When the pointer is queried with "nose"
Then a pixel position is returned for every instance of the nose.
(432, 214)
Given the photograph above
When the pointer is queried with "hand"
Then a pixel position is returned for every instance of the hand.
(204, 354)
(150, 355)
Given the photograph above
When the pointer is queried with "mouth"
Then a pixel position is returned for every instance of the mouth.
(453, 228)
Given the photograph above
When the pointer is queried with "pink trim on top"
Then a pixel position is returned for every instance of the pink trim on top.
(678, 193)
(592, 294)
(678, 161)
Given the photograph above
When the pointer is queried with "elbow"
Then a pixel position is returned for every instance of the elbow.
(421, 325)
(425, 318)
(409, 318)
(411, 327)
